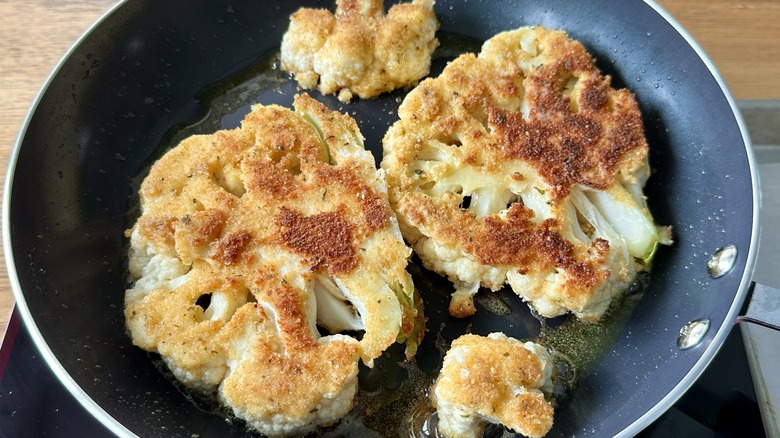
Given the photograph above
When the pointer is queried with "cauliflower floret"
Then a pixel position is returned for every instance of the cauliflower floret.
(360, 49)
(522, 166)
(495, 379)
(280, 379)
(251, 238)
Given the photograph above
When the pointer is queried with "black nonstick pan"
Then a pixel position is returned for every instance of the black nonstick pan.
(152, 71)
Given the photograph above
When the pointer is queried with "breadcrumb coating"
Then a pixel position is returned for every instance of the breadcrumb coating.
(523, 166)
(249, 238)
(360, 50)
(494, 379)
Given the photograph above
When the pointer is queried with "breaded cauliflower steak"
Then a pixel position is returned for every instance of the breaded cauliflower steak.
(522, 165)
(360, 50)
(247, 238)
(496, 379)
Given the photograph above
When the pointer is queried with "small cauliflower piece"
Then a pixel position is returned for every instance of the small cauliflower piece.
(523, 166)
(494, 379)
(360, 50)
(247, 241)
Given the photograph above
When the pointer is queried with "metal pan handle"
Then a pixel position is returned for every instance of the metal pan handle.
(762, 306)
(762, 309)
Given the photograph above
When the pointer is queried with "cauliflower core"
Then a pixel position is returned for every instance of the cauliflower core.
(496, 379)
(522, 165)
(249, 238)
(360, 50)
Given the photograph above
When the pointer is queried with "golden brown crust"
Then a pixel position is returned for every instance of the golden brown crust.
(267, 372)
(159, 229)
(278, 157)
(493, 378)
(325, 239)
(236, 230)
(229, 248)
(521, 125)
(577, 149)
(359, 49)
(371, 206)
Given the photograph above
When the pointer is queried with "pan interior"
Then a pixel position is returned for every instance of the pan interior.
(140, 78)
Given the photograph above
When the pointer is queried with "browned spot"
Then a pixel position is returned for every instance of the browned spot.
(595, 94)
(519, 242)
(230, 247)
(543, 92)
(514, 241)
(506, 84)
(517, 176)
(266, 176)
(196, 231)
(571, 148)
(560, 252)
(200, 228)
(499, 242)
(462, 307)
(325, 238)
(158, 229)
(565, 147)
(375, 211)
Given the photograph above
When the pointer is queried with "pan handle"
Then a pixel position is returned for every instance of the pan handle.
(762, 306)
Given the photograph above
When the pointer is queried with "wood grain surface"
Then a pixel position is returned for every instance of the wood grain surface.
(741, 37)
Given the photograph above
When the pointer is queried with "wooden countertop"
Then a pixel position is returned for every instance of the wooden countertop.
(741, 37)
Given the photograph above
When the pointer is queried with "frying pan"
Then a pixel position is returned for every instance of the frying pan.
(149, 71)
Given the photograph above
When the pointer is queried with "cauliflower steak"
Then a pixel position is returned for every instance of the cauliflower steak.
(249, 239)
(523, 166)
(360, 50)
(495, 379)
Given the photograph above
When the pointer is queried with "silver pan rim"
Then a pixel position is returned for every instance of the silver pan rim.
(725, 328)
(21, 304)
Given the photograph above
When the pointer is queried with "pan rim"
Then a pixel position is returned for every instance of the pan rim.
(729, 321)
(21, 306)
(639, 424)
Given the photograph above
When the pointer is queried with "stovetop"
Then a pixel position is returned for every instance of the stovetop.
(722, 403)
